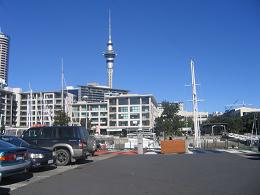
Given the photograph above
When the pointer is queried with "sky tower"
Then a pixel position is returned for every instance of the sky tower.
(4, 44)
(110, 56)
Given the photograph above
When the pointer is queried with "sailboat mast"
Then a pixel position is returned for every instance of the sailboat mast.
(62, 86)
(195, 108)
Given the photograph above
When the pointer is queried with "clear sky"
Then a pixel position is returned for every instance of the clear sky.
(154, 40)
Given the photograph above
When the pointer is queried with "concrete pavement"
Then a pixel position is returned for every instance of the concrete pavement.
(206, 173)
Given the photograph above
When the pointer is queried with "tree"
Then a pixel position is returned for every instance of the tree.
(61, 119)
(169, 122)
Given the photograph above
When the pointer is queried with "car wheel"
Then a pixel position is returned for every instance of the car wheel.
(62, 157)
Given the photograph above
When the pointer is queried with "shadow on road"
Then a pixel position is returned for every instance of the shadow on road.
(253, 156)
(16, 178)
(43, 169)
(4, 191)
(81, 162)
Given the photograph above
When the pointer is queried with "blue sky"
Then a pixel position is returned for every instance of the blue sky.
(154, 40)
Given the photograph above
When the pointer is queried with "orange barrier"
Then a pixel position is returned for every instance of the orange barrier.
(173, 146)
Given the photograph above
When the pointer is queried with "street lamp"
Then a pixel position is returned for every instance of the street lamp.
(85, 97)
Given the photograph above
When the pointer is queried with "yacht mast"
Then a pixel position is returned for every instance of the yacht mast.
(197, 141)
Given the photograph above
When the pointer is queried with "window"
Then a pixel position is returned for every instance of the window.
(145, 100)
(134, 123)
(94, 114)
(112, 109)
(112, 123)
(123, 123)
(103, 114)
(103, 108)
(94, 108)
(33, 133)
(123, 101)
(123, 109)
(134, 116)
(134, 100)
(112, 101)
(134, 109)
(145, 108)
(75, 114)
(67, 132)
(47, 133)
(112, 116)
(123, 116)
(145, 116)
(146, 123)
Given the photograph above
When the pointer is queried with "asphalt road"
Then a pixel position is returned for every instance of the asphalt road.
(202, 173)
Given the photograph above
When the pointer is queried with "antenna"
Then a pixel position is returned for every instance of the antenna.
(109, 26)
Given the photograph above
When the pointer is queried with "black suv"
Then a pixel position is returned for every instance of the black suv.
(69, 143)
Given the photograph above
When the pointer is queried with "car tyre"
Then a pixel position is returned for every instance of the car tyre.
(62, 157)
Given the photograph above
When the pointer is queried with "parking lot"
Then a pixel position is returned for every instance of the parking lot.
(198, 173)
(13, 182)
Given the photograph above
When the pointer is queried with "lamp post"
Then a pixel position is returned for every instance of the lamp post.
(86, 99)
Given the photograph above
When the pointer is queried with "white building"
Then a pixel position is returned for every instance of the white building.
(127, 112)
(241, 111)
(96, 113)
(203, 116)
(8, 107)
(40, 107)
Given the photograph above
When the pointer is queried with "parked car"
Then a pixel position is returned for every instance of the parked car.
(92, 145)
(39, 156)
(13, 160)
(68, 142)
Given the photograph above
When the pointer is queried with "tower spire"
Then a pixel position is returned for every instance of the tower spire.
(109, 27)
(110, 54)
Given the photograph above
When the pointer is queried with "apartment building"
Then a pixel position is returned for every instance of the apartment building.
(41, 107)
(8, 107)
(96, 113)
(129, 112)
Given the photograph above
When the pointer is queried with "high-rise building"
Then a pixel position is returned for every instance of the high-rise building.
(4, 45)
(110, 56)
